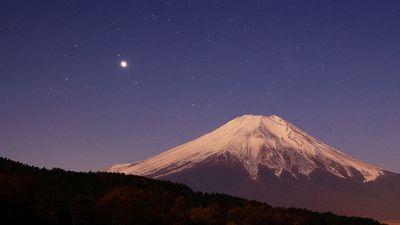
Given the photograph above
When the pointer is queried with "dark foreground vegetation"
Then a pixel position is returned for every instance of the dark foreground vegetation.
(29, 195)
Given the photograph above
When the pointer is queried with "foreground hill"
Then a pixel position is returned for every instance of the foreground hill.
(266, 158)
(29, 195)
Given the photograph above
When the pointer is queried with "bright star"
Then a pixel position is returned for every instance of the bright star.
(124, 64)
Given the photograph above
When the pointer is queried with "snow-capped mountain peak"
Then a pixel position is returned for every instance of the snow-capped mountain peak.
(256, 141)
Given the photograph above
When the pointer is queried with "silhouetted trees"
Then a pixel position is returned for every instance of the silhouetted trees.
(30, 195)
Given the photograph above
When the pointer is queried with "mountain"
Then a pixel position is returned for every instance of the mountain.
(253, 142)
(29, 195)
(269, 159)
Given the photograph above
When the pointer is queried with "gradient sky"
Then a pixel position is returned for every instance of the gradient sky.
(331, 68)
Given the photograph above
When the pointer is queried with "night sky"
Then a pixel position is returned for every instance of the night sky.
(332, 68)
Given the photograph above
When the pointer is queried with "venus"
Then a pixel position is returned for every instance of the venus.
(124, 64)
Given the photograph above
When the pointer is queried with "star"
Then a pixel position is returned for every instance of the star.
(123, 64)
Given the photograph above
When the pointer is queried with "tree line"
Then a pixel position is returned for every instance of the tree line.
(31, 195)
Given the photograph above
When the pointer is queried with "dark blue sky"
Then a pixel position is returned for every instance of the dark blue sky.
(330, 67)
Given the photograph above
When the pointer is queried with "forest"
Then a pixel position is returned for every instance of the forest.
(31, 195)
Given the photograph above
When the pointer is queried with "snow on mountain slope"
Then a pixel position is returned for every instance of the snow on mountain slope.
(254, 141)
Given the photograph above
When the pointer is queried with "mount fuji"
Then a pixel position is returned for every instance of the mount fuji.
(268, 159)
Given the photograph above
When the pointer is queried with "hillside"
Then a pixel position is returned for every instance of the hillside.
(30, 195)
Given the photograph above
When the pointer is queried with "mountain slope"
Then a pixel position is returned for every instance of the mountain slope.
(269, 159)
(256, 141)
(30, 195)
